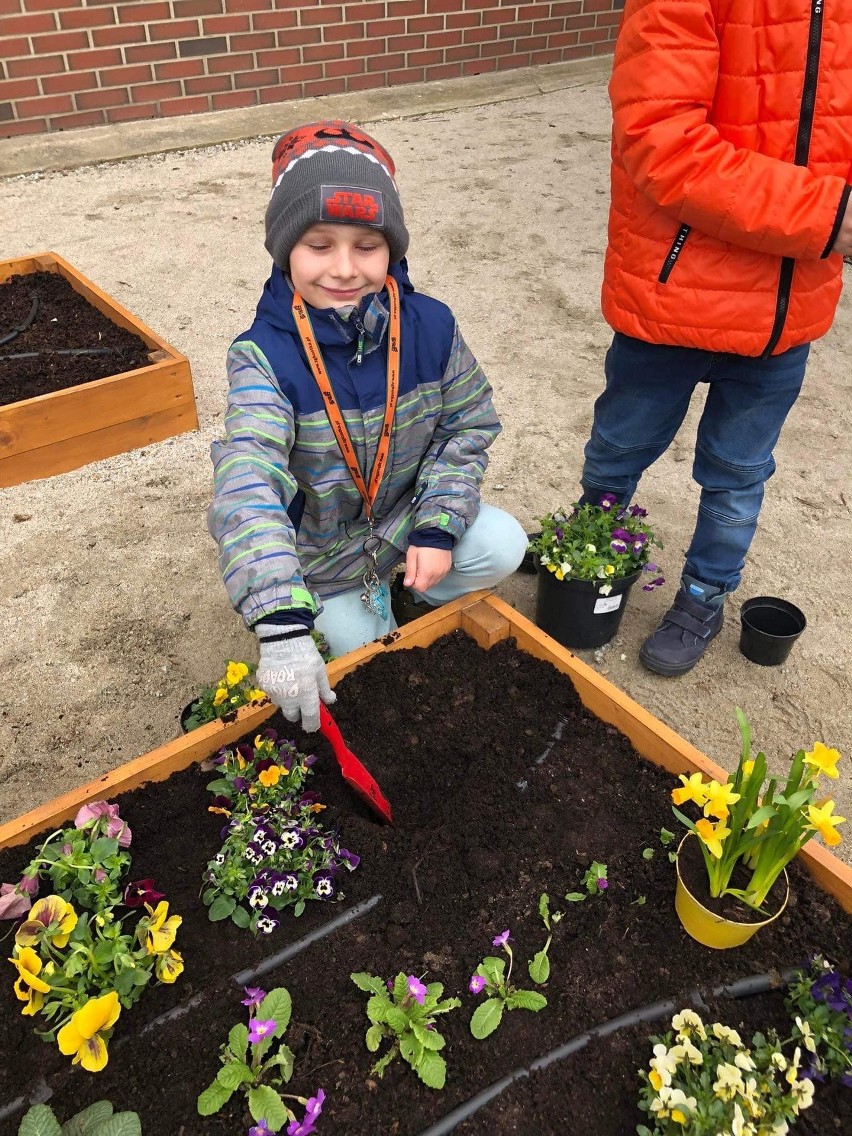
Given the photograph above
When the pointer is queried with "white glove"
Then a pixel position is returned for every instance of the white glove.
(292, 673)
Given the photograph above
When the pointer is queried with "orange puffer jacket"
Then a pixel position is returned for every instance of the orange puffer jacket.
(732, 144)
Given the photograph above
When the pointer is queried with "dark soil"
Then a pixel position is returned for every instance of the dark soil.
(64, 321)
(452, 734)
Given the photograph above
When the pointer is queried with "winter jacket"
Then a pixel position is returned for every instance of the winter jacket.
(288, 520)
(732, 144)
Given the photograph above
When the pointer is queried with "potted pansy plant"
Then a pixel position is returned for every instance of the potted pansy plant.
(587, 561)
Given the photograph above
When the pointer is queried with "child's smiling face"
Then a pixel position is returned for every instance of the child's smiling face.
(334, 266)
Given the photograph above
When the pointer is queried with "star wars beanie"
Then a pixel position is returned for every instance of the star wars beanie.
(331, 171)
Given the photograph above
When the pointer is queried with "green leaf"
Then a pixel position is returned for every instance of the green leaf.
(762, 814)
(432, 1070)
(575, 896)
(84, 1123)
(238, 1041)
(374, 1038)
(400, 987)
(493, 969)
(264, 1102)
(219, 786)
(486, 1018)
(639, 901)
(647, 853)
(368, 982)
(122, 1124)
(102, 848)
(221, 908)
(285, 1060)
(428, 1038)
(39, 1121)
(526, 1000)
(278, 1005)
(397, 1019)
(234, 1074)
(378, 1069)
(544, 909)
(241, 917)
(377, 1008)
(411, 1049)
(666, 837)
(299, 908)
(212, 1099)
(539, 968)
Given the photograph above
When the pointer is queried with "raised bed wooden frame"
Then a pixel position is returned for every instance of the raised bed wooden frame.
(61, 431)
(488, 620)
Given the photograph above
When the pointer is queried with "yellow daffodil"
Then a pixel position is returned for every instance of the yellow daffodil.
(220, 695)
(169, 967)
(235, 673)
(712, 835)
(29, 987)
(826, 824)
(693, 790)
(823, 760)
(719, 799)
(270, 776)
(161, 929)
(50, 912)
(748, 766)
(82, 1034)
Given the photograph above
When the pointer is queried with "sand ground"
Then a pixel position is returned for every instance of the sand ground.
(113, 611)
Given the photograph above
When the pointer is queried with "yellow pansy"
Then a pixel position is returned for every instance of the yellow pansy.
(29, 987)
(270, 776)
(558, 573)
(693, 790)
(169, 966)
(712, 835)
(824, 760)
(820, 817)
(162, 928)
(220, 695)
(82, 1034)
(256, 695)
(52, 911)
(609, 569)
(719, 799)
(218, 810)
(235, 673)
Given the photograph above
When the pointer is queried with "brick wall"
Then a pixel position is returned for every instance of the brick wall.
(72, 63)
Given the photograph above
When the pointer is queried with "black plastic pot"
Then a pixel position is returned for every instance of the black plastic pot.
(575, 613)
(184, 715)
(770, 627)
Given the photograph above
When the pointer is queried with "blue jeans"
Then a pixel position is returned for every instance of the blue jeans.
(648, 388)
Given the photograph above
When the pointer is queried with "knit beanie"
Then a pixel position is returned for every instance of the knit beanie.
(331, 171)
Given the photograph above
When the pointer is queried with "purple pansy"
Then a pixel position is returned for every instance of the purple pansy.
(349, 859)
(500, 940)
(116, 828)
(257, 898)
(292, 840)
(240, 784)
(12, 904)
(622, 534)
(141, 892)
(607, 501)
(637, 511)
(254, 996)
(260, 1030)
(416, 989)
(266, 924)
(653, 584)
(618, 546)
(323, 884)
(477, 984)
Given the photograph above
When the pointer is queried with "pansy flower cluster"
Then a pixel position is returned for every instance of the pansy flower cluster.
(704, 1080)
(601, 543)
(275, 852)
(234, 689)
(820, 1001)
(88, 949)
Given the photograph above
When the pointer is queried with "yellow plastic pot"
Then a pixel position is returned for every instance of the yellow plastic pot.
(713, 930)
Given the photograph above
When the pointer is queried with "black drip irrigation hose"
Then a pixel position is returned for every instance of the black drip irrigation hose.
(555, 737)
(16, 331)
(745, 987)
(61, 351)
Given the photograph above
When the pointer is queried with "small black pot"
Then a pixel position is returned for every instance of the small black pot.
(575, 613)
(184, 715)
(770, 627)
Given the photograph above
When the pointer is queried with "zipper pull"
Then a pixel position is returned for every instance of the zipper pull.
(359, 327)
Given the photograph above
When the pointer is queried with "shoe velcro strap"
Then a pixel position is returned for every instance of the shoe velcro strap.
(688, 622)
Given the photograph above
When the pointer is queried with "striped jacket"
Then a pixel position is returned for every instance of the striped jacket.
(288, 520)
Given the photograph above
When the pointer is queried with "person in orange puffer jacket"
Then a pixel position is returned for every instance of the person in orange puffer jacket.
(730, 216)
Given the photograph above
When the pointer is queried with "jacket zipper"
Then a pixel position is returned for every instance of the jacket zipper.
(674, 252)
(803, 147)
(359, 350)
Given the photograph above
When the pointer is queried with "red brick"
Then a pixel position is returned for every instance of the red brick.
(498, 16)
(48, 104)
(480, 66)
(386, 62)
(247, 5)
(577, 23)
(150, 52)
(100, 57)
(563, 39)
(302, 72)
(608, 19)
(142, 13)
(510, 62)
(131, 113)
(593, 35)
(180, 69)
(366, 82)
(126, 76)
(365, 11)
(605, 48)
(406, 42)
(437, 6)
(45, 65)
(172, 29)
(60, 41)
(553, 55)
(208, 84)
(67, 84)
(464, 20)
(545, 27)
(280, 57)
(233, 99)
(407, 75)
(343, 67)
(472, 5)
(261, 21)
(531, 43)
(566, 8)
(446, 39)
(378, 28)
(251, 41)
(255, 78)
(193, 105)
(597, 5)
(479, 35)
(15, 129)
(322, 15)
(225, 25)
(532, 12)
(355, 49)
(426, 58)
(20, 88)
(109, 37)
(492, 50)
(343, 32)
(298, 36)
(86, 18)
(99, 100)
(10, 7)
(280, 93)
(156, 92)
(407, 8)
(27, 24)
(19, 46)
(81, 118)
(196, 7)
(326, 87)
(52, 5)
(444, 70)
(419, 24)
(512, 31)
(323, 51)
(229, 63)
(466, 51)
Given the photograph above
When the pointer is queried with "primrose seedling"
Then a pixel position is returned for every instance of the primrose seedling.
(539, 965)
(594, 880)
(491, 976)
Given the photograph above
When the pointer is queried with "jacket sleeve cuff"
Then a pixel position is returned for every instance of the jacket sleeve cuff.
(838, 221)
(432, 538)
(293, 617)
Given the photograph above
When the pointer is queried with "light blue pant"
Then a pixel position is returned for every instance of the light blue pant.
(490, 550)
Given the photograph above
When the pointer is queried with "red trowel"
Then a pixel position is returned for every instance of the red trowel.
(353, 771)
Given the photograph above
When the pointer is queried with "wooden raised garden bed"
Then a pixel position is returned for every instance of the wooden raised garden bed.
(68, 428)
(509, 769)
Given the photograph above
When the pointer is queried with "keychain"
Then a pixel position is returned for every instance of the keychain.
(373, 595)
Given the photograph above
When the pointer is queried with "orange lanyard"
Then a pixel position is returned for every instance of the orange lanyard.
(338, 425)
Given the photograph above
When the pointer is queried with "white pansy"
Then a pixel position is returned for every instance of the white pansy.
(807, 1035)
